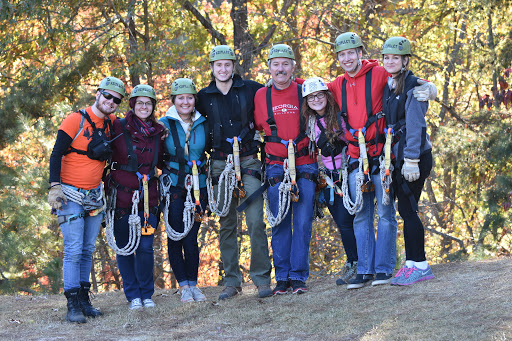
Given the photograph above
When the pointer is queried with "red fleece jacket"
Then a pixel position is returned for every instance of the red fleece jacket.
(356, 103)
(285, 105)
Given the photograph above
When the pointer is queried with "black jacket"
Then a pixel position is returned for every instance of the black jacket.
(230, 115)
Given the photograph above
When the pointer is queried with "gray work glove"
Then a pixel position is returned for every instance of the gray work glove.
(56, 197)
(426, 91)
(411, 170)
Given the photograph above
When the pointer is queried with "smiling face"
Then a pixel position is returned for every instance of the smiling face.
(143, 107)
(281, 70)
(393, 63)
(184, 104)
(317, 101)
(106, 106)
(350, 60)
(222, 69)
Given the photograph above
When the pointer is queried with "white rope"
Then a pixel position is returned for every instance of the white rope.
(134, 227)
(385, 180)
(310, 128)
(284, 198)
(79, 198)
(228, 179)
(353, 207)
(188, 211)
(73, 195)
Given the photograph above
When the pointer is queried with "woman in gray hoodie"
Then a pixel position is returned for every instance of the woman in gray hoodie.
(405, 117)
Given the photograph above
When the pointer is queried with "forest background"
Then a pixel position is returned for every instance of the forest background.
(53, 55)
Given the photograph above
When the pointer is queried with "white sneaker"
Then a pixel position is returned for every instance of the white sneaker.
(197, 294)
(148, 303)
(186, 295)
(136, 304)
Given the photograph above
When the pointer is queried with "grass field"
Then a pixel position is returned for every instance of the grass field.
(466, 301)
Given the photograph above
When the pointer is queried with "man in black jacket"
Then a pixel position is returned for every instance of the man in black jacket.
(228, 104)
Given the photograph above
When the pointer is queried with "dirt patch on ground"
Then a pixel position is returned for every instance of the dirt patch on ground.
(466, 301)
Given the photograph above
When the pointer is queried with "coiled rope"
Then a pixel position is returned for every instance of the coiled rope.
(228, 179)
(134, 226)
(353, 206)
(188, 211)
(284, 198)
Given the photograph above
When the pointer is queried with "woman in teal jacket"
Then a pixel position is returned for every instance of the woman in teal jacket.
(183, 185)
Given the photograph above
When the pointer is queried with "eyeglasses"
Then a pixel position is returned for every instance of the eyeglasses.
(318, 96)
(144, 104)
(108, 96)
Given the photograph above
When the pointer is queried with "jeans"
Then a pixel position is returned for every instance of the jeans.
(374, 256)
(260, 267)
(345, 223)
(184, 253)
(79, 239)
(291, 237)
(137, 268)
(414, 233)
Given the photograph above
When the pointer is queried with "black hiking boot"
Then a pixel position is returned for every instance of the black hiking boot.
(74, 313)
(85, 301)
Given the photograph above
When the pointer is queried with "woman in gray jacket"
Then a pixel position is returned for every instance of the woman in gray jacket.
(405, 116)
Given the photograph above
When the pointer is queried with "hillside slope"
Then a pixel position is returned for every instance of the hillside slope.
(466, 301)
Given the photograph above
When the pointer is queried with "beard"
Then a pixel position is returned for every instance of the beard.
(103, 107)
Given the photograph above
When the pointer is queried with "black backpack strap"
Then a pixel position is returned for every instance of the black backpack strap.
(272, 123)
(368, 93)
(270, 113)
(133, 162)
(84, 115)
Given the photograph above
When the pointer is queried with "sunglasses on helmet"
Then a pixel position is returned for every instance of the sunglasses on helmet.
(108, 96)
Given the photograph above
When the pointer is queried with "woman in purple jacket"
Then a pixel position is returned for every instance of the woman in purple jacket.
(133, 195)
(320, 111)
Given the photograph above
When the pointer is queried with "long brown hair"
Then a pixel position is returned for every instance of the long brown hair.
(330, 116)
(400, 78)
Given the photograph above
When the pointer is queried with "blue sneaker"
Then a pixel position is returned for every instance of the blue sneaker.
(412, 275)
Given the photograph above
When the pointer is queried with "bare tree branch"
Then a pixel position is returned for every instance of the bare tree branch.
(205, 22)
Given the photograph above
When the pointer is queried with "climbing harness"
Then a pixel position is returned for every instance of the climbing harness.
(98, 147)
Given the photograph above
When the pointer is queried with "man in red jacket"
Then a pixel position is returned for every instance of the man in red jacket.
(277, 113)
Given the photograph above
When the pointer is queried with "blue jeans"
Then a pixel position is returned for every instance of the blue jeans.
(137, 268)
(184, 253)
(345, 223)
(291, 238)
(374, 256)
(79, 239)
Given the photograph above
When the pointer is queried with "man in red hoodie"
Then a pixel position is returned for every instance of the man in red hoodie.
(359, 94)
(277, 113)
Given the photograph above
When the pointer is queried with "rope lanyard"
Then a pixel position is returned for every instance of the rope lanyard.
(386, 168)
(147, 229)
(239, 191)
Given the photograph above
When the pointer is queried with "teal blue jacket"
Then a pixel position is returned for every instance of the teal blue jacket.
(197, 144)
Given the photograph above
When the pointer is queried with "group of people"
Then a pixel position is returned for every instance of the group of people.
(262, 145)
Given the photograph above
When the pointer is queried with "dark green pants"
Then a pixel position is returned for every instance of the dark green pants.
(260, 261)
